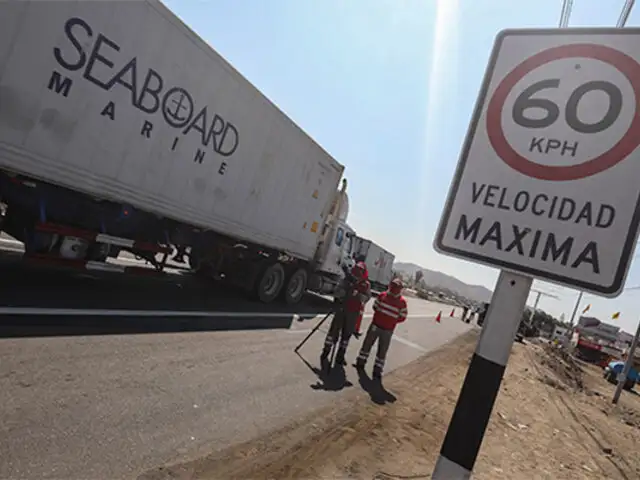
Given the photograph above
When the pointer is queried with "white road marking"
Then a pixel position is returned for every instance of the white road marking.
(13, 249)
(366, 315)
(395, 337)
(8, 241)
(75, 312)
(408, 343)
(296, 331)
(161, 313)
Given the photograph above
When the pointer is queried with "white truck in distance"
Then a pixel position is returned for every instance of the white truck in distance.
(120, 129)
(378, 260)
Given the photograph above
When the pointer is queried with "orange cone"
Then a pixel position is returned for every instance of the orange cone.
(438, 317)
(452, 312)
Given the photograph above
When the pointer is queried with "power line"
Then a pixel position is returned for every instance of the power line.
(624, 14)
(565, 14)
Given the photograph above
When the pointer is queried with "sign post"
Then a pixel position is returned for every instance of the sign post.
(576, 306)
(546, 187)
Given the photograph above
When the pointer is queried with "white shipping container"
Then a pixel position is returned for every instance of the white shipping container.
(122, 101)
(378, 260)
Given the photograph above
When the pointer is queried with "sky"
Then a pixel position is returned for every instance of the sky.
(387, 87)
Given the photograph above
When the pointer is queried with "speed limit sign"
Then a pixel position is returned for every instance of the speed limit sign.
(548, 182)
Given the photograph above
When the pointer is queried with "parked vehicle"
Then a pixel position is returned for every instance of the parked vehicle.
(122, 130)
(378, 260)
(614, 368)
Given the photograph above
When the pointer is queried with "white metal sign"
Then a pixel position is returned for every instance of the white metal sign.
(548, 182)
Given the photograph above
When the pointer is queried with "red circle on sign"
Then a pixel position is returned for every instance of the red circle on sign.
(627, 144)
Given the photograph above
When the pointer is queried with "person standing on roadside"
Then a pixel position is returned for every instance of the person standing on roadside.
(343, 325)
(390, 309)
(483, 313)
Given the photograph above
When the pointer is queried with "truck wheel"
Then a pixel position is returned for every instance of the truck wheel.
(296, 287)
(199, 267)
(270, 283)
(98, 252)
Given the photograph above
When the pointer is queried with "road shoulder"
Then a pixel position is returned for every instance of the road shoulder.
(329, 442)
(553, 420)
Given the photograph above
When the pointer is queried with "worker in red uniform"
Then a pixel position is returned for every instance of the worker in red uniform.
(357, 293)
(389, 309)
(356, 331)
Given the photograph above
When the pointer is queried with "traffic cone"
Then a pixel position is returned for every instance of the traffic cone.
(452, 312)
(438, 317)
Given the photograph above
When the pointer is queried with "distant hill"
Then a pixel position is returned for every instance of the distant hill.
(438, 279)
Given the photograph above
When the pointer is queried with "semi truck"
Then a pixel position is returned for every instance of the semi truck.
(379, 262)
(122, 130)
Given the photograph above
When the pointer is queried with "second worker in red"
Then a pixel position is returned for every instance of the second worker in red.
(389, 310)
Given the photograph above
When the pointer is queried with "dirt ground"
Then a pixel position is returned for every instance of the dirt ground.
(553, 419)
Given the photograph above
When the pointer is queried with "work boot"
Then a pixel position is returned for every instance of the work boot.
(359, 365)
(377, 374)
(324, 359)
(340, 358)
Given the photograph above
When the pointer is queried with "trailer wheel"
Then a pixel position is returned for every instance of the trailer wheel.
(198, 266)
(296, 287)
(270, 283)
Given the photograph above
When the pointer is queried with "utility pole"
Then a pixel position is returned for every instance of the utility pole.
(622, 377)
(624, 14)
(575, 309)
(540, 293)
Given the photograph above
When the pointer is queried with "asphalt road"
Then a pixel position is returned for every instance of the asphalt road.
(84, 397)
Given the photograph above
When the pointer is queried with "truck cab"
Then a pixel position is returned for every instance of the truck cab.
(339, 249)
(336, 247)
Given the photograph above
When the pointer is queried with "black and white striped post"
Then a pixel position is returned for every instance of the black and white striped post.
(484, 376)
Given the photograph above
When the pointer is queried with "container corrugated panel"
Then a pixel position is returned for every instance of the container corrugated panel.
(379, 263)
(378, 260)
(122, 101)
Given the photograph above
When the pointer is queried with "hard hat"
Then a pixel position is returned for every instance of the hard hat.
(359, 269)
(395, 287)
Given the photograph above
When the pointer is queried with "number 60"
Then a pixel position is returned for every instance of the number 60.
(524, 101)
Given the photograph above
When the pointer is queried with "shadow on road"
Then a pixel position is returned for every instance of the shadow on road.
(174, 303)
(330, 380)
(12, 326)
(378, 394)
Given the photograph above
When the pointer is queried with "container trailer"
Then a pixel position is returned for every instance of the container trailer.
(122, 130)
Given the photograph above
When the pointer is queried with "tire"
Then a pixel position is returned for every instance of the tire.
(197, 266)
(98, 252)
(295, 287)
(269, 283)
(193, 261)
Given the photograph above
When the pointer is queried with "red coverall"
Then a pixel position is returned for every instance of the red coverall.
(359, 319)
(344, 320)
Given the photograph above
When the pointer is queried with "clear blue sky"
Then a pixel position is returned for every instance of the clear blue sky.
(387, 87)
